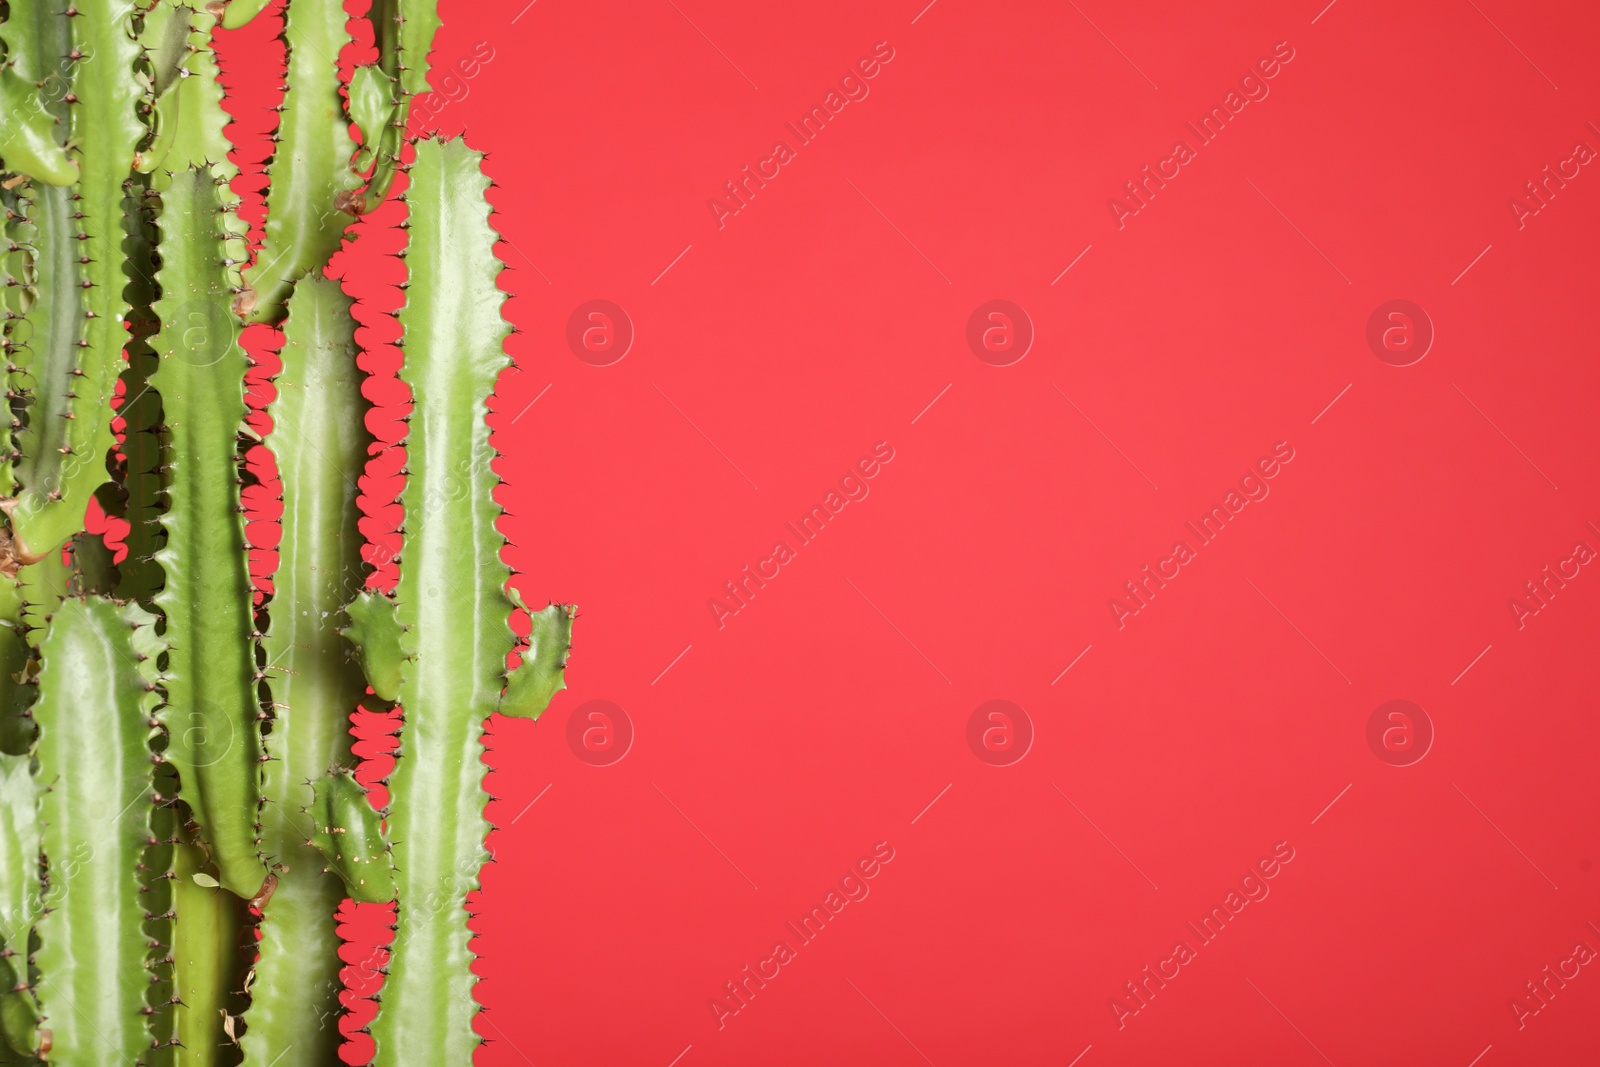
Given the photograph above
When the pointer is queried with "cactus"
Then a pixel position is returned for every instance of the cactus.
(77, 322)
(452, 607)
(97, 690)
(195, 926)
(311, 196)
(320, 441)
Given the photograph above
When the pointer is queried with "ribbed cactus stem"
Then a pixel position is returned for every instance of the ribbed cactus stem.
(97, 691)
(310, 199)
(319, 441)
(452, 606)
(212, 715)
(208, 963)
(57, 482)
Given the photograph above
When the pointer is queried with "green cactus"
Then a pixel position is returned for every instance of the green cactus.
(212, 714)
(311, 197)
(195, 927)
(81, 304)
(319, 439)
(452, 606)
(97, 692)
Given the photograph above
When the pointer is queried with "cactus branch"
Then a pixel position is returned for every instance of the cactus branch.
(319, 440)
(310, 199)
(97, 689)
(212, 713)
(56, 487)
(453, 608)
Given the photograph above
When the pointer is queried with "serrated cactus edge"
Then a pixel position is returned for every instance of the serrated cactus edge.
(181, 815)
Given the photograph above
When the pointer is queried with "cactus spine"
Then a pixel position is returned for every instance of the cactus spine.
(196, 925)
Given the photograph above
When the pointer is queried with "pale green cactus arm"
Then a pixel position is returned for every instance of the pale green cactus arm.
(403, 30)
(207, 964)
(376, 632)
(58, 477)
(452, 604)
(19, 898)
(311, 197)
(319, 440)
(212, 713)
(348, 832)
(29, 142)
(97, 691)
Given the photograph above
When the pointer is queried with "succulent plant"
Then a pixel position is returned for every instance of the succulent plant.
(179, 817)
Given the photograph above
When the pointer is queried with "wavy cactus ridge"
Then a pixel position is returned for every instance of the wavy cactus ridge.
(310, 199)
(319, 439)
(97, 690)
(452, 604)
(105, 129)
(212, 714)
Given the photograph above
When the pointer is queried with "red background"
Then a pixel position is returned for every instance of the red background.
(825, 716)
